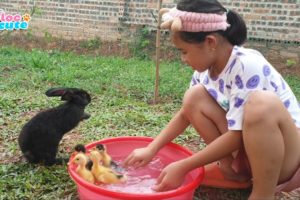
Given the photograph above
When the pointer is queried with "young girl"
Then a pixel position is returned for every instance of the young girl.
(237, 102)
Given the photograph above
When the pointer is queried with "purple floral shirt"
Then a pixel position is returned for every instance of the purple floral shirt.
(247, 70)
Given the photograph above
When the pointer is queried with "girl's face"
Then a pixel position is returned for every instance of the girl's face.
(199, 56)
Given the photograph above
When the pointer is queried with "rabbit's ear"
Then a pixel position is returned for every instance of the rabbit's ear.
(54, 92)
(67, 96)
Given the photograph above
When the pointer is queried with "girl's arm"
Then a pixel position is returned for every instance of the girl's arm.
(142, 156)
(175, 127)
(173, 175)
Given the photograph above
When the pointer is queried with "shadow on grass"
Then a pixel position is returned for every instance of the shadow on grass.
(209, 193)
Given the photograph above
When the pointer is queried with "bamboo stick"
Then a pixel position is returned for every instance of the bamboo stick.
(157, 59)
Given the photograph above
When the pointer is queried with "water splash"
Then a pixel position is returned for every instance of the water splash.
(140, 180)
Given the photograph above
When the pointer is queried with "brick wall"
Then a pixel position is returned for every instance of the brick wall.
(81, 19)
(271, 20)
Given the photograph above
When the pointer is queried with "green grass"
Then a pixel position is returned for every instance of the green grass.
(120, 90)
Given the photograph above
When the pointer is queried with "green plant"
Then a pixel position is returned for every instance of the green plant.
(290, 63)
(91, 44)
(35, 10)
(143, 43)
(29, 35)
(48, 36)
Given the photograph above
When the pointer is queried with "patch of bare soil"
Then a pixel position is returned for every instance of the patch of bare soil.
(282, 66)
(113, 48)
(95, 47)
(69, 141)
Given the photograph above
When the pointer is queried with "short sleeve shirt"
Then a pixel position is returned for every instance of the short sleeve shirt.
(246, 71)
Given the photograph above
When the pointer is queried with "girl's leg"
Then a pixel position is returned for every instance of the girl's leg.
(204, 113)
(272, 143)
(209, 120)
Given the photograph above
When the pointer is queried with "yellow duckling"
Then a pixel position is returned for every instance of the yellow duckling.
(81, 160)
(104, 174)
(81, 148)
(106, 159)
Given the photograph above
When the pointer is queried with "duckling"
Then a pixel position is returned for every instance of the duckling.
(81, 148)
(80, 159)
(104, 174)
(106, 159)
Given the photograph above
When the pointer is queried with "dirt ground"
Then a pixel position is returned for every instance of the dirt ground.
(119, 48)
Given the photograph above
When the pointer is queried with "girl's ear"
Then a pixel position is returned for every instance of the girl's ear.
(211, 41)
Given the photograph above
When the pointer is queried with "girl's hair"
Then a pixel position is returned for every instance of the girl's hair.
(236, 34)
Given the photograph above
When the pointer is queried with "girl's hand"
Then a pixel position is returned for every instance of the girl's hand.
(171, 177)
(139, 157)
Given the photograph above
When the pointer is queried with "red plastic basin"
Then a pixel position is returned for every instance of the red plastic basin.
(121, 147)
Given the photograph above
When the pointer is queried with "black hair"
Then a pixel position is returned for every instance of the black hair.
(236, 34)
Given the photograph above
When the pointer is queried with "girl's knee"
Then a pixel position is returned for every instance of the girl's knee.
(259, 106)
(193, 97)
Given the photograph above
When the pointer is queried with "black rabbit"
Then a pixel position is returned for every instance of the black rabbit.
(40, 137)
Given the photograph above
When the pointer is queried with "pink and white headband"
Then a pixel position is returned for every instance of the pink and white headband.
(177, 20)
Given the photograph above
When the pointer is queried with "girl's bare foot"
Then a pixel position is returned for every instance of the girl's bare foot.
(231, 174)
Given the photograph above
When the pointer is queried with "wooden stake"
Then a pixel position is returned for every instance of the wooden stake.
(157, 46)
